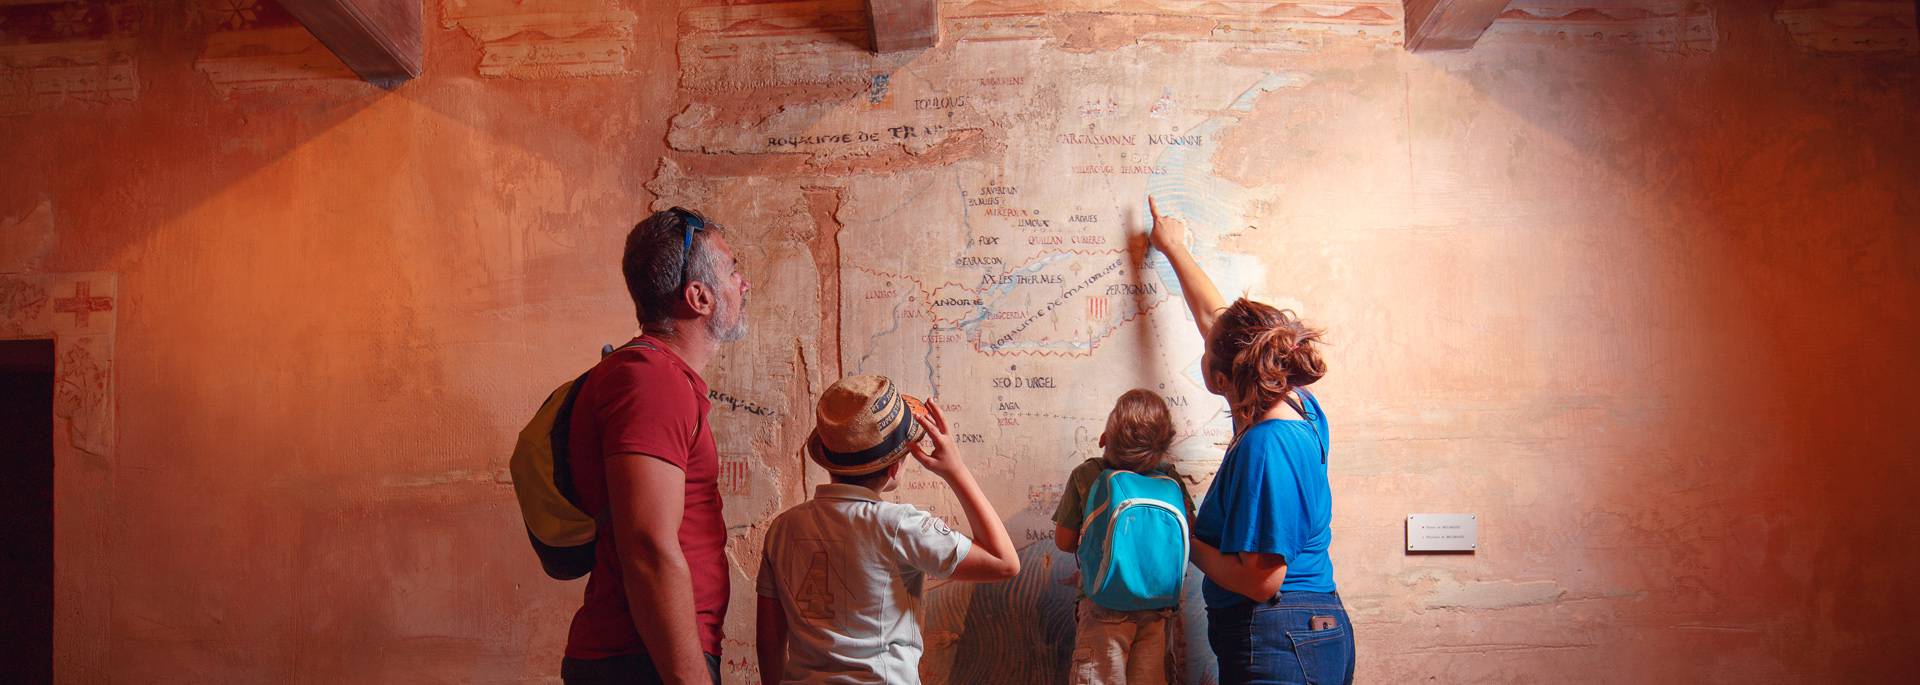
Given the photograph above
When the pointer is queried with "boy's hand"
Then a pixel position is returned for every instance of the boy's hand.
(992, 558)
(944, 461)
(1169, 232)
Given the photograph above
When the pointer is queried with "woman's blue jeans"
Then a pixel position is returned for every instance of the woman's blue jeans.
(1296, 638)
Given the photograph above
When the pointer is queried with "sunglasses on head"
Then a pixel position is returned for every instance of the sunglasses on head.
(693, 224)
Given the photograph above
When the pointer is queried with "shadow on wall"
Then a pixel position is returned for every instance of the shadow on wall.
(294, 366)
(1011, 633)
(245, 55)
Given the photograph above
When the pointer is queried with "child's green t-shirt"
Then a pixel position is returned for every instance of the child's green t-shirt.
(1073, 497)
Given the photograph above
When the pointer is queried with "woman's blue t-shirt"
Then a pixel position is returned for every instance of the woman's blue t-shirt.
(1271, 496)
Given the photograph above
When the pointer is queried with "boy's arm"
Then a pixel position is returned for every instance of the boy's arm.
(1203, 298)
(1193, 510)
(770, 639)
(1066, 516)
(992, 557)
(1067, 539)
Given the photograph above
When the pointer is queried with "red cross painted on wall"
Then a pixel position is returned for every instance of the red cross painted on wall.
(81, 304)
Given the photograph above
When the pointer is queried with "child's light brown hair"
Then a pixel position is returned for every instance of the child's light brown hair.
(1139, 431)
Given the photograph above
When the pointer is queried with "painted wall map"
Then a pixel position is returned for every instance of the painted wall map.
(1024, 298)
(1633, 282)
(968, 219)
(989, 197)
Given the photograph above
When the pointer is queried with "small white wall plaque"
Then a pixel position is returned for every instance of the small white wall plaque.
(1442, 532)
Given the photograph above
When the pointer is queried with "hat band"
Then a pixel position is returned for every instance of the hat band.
(887, 446)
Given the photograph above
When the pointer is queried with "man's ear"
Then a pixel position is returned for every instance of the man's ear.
(893, 471)
(699, 298)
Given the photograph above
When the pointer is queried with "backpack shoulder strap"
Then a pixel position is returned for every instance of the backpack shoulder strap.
(561, 435)
(1101, 484)
(1309, 407)
(606, 350)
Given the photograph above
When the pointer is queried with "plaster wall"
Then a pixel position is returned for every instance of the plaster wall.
(1645, 305)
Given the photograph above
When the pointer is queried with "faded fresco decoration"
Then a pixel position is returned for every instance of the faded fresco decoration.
(77, 312)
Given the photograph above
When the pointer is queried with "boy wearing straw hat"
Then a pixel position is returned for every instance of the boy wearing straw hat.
(842, 574)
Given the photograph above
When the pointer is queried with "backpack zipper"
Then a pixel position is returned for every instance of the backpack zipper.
(1106, 563)
(1088, 518)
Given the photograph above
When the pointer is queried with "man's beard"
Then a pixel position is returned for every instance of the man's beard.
(728, 323)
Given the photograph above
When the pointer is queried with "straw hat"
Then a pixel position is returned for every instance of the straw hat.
(863, 425)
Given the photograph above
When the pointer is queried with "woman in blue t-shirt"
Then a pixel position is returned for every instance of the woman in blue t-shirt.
(1261, 538)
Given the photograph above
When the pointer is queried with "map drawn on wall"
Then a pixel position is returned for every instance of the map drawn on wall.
(990, 196)
(1023, 297)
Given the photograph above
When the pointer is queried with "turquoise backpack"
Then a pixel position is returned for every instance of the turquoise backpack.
(1133, 541)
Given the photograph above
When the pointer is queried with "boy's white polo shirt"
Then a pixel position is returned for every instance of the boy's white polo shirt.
(849, 569)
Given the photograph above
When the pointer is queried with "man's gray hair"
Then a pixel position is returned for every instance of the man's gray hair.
(653, 264)
(704, 268)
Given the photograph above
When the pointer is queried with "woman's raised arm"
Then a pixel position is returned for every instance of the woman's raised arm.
(1203, 298)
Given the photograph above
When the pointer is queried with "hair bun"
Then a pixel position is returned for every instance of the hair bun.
(1265, 352)
(1304, 365)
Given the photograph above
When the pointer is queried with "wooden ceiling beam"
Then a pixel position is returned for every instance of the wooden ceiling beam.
(904, 24)
(378, 39)
(1449, 24)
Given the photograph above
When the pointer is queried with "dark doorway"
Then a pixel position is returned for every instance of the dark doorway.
(26, 510)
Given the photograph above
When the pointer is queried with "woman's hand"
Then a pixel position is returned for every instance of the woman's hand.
(1169, 232)
(1203, 299)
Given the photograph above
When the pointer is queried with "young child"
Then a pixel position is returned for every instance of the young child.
(1111, 645)
(842, 574)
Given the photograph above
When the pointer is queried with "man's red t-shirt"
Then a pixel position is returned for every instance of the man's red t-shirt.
(650, 402)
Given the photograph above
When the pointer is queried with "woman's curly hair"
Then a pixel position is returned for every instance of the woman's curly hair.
(1265, 352)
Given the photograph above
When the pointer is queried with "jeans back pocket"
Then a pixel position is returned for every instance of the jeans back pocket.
(1326, 656)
